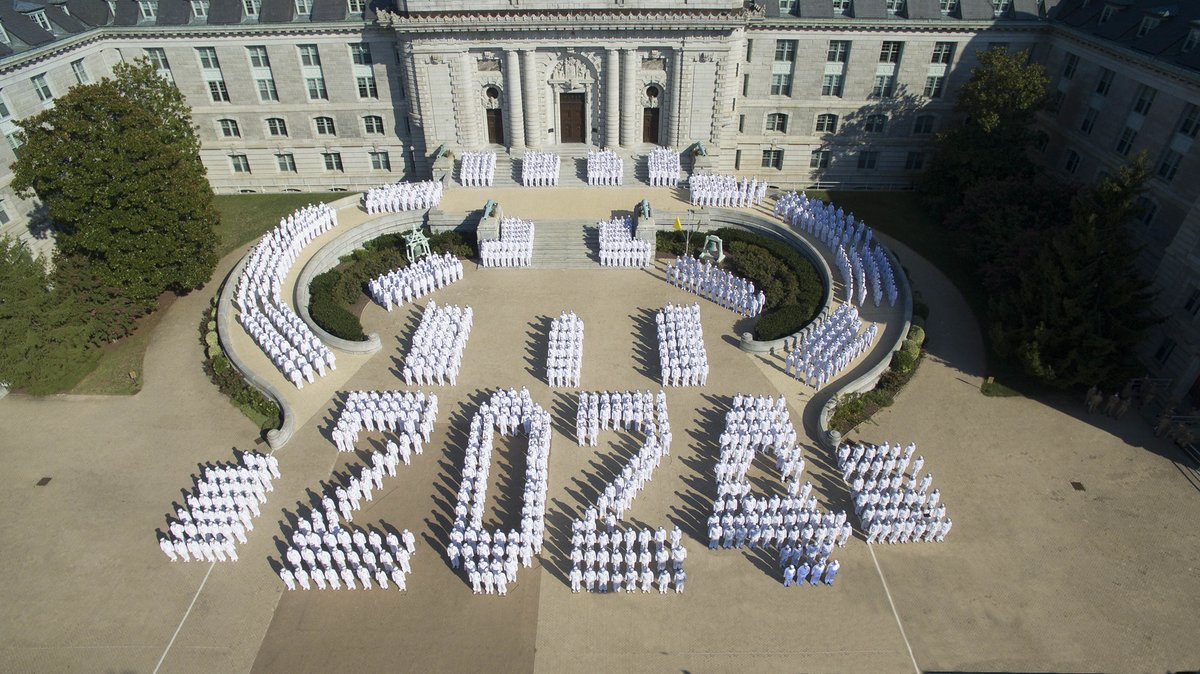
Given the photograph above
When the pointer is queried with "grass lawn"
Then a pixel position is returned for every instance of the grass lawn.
(244, 218)
(901, 216)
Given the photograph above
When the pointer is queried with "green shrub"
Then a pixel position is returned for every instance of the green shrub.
(916, 334)
(789, 280)
(456, 243)
(256, 406)
(328, 313)
(903, 361)
(781, 322)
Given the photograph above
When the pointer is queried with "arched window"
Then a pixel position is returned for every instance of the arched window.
(229, 128)
(875, 123)
(276, 127)
(373, 125)
(325, 126)
(827, 123)
(777, 121)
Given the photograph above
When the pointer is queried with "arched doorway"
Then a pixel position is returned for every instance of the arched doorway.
(494, 115)
(651, 118)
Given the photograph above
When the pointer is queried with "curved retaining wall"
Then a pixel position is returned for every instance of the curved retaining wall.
(775, 230)
(867, 381)
(714, 218)
(328, 257)
(225, 322)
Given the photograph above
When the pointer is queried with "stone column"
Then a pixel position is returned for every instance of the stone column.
(629, 98)
(612, 98)
(534, 132)
(468, 114)
(514, 119)
(674, 128)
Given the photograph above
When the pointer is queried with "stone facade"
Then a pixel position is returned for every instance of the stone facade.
(805, 93)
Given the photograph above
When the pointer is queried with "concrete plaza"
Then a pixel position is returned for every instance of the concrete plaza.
(1035, 576)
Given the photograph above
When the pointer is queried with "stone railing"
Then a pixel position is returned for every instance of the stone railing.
(328, 257)
(870, 378)
(226, 322)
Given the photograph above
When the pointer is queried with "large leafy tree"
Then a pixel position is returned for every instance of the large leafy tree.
(998, 105)
(1003, 224)
(1077, 313)
(117, 165)
(42, 334)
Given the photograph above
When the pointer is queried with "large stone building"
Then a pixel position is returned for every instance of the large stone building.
(303, 95)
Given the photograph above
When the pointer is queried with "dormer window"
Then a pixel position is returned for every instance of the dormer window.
(1106, 13)
(1148, 24)
(948, 6)
(200, 9)
(4, 35)
(303, 7)
(39, 17)
(1192, 40)
(251, 7)
(148, 9)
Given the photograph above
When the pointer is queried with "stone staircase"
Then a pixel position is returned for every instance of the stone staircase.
(566, 244)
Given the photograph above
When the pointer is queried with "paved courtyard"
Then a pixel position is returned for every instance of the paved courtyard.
(1035, 576)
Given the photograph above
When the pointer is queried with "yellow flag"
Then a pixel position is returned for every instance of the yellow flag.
(678, 225)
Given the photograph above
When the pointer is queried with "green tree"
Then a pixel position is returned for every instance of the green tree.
(998, 104)
(42, 334)
(117, 165)
(1078, 312)
(1003, 224)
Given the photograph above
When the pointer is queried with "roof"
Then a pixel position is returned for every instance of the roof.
(1164, 40)
(923, 9)
(816, 9)
(976, 10)
(869, 9)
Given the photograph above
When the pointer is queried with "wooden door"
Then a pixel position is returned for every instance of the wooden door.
(571, 118)
(650, 125)
(495, 127)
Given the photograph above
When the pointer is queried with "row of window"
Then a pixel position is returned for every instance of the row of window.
(310, 61)
(832, 85)
(42, 88)
(148, 9)
(277, 127)
(310, 55)
(787, 7)
(285, 162)
(1166, 169)
(1142, 101)
(867, 160)
(828, 123)
(839, 51)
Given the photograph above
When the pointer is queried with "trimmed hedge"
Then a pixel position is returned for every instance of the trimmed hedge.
(256, 406)
(790, 281)
(328, 313)
(854, 408)
(332, 294)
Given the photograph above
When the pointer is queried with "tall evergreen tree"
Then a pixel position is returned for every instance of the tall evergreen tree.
(117, 165)
(1079, 311)
(42, 331)
(998, 105)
